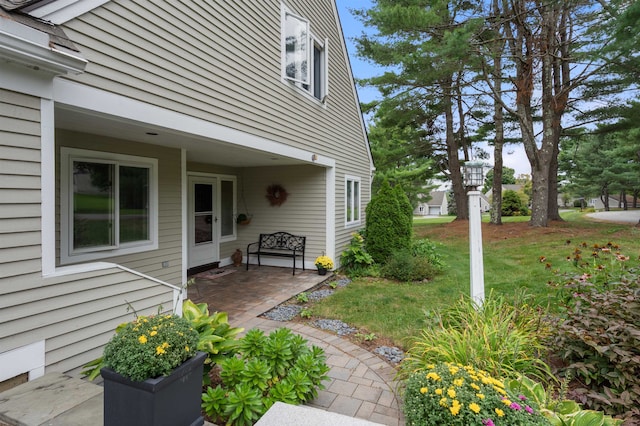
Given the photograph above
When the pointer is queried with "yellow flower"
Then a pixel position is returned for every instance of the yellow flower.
(476, 387)
(186, 348)
(142, 339)
(438, 391)
(499, 412)
(455, 407)
(424, 390)
(458, 382)
(165, 345)
(431, 366)
(451, 392)
(159, 350)
(443, 402)
(480, 395)
(474, 407)
(453, 370)
(506, 402)
(153, 333)
(434, 376)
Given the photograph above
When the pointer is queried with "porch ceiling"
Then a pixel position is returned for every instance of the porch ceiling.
(199, 149)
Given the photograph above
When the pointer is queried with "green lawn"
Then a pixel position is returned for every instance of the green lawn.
(512, 262)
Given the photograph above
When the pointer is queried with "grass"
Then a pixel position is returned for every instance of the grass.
(512, 252)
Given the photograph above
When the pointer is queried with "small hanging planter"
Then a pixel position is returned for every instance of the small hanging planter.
(243, 219)
(276, 195)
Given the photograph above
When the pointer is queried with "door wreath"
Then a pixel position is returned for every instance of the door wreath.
(276, 194)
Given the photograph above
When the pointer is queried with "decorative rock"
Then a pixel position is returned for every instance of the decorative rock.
(391, 354)
(337, 326)
(283, 312)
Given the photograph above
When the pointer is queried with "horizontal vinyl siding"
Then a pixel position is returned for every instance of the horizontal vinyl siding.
(75, 314)
(220, 61)
(303, 212)
(169, 203)
(20, 241)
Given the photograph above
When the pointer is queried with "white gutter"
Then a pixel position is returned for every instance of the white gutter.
(27, 46)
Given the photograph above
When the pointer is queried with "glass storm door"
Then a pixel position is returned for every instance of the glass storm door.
(203, 221)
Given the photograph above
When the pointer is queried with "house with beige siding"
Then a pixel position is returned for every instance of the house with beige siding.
(135, 133)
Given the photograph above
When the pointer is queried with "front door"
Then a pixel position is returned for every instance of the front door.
(203, 221)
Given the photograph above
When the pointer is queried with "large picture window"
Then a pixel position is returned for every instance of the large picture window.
(108, 204)
(305, 57)
(352, 202)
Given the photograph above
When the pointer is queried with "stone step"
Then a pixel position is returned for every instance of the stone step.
(54, 399)
(281, 414)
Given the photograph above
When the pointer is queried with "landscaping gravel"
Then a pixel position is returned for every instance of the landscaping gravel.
(337, 326)
(320, 294)
(391, 354)
(342, 282)
(283, 312)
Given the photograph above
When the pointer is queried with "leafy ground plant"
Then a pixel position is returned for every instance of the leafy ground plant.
(453, 394)
(598, 332)
(278, 367)
(505, 339)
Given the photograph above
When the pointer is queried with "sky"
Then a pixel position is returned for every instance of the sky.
(514, 157)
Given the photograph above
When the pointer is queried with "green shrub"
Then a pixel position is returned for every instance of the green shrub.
(278, 367)
(512, 204)
(388, 228)
(429, 250)
(404, 266)
(355, 260)
(504, 339)
(453, 394)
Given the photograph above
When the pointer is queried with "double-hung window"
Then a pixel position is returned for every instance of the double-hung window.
(352, 200)
(108, 204)
(305, 57)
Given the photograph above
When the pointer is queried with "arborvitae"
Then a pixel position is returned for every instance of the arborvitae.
(388, 226)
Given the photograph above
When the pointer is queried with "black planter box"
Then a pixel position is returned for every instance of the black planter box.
(172, 400)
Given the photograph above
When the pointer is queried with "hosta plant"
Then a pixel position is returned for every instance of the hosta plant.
(559, 412)
(453, 394)
(215, 336)
(278, 367)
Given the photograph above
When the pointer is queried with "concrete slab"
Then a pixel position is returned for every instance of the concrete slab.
(281, 414)
(40, 401)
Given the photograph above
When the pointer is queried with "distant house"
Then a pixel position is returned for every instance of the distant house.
(133, 137)
(436, 206)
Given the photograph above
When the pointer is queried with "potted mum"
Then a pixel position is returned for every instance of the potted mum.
(324, 264)
(153, 373)
(453, 394)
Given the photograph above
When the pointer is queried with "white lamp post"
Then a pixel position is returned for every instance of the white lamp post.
(473, 178)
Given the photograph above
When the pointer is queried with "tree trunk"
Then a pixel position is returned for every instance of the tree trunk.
(459, 193)
(498, 118)
(553, 210)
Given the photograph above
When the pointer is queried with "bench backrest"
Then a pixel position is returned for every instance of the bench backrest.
(282, 241)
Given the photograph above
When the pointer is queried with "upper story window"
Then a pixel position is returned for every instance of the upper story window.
(352, 202)
(305, 57)
(108, 204)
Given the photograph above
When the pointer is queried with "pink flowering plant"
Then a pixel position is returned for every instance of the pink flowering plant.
(453, 394)
(150, 346)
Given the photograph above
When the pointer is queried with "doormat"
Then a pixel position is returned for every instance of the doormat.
(214, 273)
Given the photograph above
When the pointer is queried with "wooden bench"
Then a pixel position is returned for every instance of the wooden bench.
(282, 244)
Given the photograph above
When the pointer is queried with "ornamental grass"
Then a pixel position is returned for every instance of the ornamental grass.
(453, 394)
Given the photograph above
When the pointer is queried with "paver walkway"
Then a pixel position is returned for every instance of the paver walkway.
(361, 384)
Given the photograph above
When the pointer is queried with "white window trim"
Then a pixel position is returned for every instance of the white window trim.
(66, 207)
(312, 40)
(351, 223)
(234, 235)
